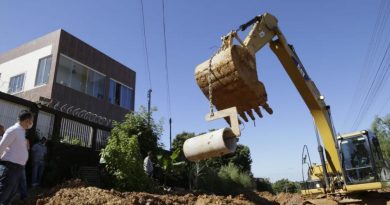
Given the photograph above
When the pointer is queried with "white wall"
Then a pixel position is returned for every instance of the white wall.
(27, 64)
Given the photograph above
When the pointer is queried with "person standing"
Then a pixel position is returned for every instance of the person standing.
(148, 164)
(39, 152)
(23, 180)
(14, 155)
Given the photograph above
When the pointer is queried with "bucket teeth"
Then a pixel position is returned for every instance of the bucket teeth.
(258, 112)
(243, 116)
(268, 108)
(250, 113)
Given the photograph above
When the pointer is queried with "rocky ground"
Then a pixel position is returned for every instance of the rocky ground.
(75, 192)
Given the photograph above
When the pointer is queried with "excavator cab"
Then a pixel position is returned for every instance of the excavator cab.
(362, 158)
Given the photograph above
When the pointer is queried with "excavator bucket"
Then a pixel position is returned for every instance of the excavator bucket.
(234, 81)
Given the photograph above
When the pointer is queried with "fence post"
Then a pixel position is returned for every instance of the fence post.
(94, 134)
(57, 127)
(31, 132)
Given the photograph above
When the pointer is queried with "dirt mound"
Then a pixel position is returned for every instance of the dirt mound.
(93, 195)
(282, 198)
(75, 192)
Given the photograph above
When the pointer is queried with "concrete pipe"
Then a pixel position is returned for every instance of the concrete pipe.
(212, 144)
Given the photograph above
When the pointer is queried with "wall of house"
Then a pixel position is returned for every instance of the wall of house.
(83, 55)
(60, 44)
(27, 64)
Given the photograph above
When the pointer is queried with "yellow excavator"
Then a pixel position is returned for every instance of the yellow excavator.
(349, 163)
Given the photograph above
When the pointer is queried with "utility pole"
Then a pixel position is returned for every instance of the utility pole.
(149, 103)
(170, 134)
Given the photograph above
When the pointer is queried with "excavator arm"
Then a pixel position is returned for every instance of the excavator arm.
(231, 76)
(229, 80)
(265, 31)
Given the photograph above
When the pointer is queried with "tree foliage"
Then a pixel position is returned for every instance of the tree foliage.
(284, 185)
(228, 180)
(128, 144)
(263, 184)
(381, 128)
(207, 170)
(178, 142)
(241, 158)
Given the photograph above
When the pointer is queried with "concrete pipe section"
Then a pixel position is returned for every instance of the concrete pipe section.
(212, 144)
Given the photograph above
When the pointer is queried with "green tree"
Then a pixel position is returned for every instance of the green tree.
(264, 184)
(241, 158)
(128, 144)
(178, 142)
(381, 128)
(284, 185)
(182, 169)
(147, 130)
(228, 180)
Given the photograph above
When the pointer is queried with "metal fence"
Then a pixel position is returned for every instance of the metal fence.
(55, 124)
(45, 123)
(101, 139)
(9, 113)
(75, 133)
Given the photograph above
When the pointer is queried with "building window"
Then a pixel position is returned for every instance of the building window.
(43, 71)
(96, 84)
(120, 95)
(126, 97)
(16, 83)
(79, 77)
(114, 95)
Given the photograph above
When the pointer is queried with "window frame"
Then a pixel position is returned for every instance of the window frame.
(86, 82)
(23, 83)
(121, 84)
(48, 76)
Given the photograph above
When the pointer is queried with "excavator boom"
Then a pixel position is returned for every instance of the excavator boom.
(235, 83)
(230, 82)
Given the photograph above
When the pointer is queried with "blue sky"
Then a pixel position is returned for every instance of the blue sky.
(330, 37)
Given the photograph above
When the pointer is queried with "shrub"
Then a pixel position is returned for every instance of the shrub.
(241, 158)
(231, 174)
(124, 162)
(123, 152)
(264, 184)
(284, 185)
(229, 180)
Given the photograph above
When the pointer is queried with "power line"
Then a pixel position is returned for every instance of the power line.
(368, 58)
(385, 105)
(166, 61)
(371, 58)
(167, 77)
(145, 45)
(376, 85)
(373, 91)
(386, 76)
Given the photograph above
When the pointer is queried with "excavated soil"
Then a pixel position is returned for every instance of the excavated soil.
(75, 192)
